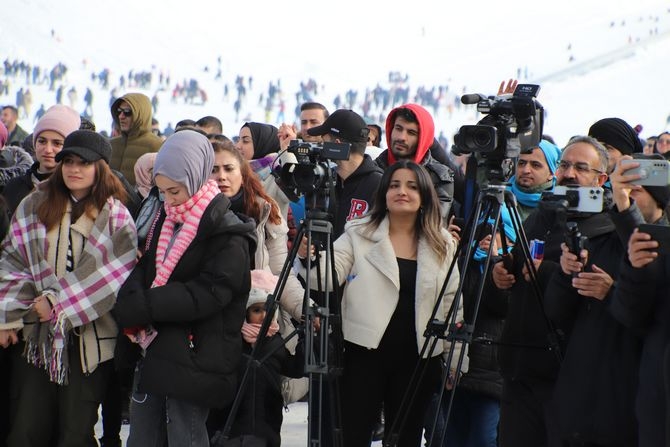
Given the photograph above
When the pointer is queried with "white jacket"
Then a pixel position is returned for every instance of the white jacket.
(271, 253)
(367, 266)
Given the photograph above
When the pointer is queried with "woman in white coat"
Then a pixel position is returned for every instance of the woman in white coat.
(393, 264)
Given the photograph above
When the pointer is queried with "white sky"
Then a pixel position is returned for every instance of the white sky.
(353, 43)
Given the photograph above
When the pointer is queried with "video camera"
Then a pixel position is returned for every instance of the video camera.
(306, 168)
(512, 124)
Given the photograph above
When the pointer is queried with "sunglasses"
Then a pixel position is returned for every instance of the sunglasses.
(126, 112)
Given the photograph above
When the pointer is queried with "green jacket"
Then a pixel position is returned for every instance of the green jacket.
(129, 146)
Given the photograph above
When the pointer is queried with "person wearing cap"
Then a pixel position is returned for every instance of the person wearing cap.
(132, 113)
(618, 137)
(190, 288)
(48, 138)
(71, 245)
(534, 175)
(410, 132)
(358, 176)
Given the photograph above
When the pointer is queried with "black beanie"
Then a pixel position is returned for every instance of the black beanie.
(661, 195)
(617, 133)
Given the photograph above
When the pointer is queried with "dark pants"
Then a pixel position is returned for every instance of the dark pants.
(115, 403)
(526, 419)
(372, 378)
(5, 386)
(155, 419)
(46, 414)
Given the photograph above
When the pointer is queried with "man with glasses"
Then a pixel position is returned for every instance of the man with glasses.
(527, 355)
(132, 113)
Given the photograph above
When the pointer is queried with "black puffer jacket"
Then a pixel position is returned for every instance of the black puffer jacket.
(260, 410)
(198, 314)
(483, 374)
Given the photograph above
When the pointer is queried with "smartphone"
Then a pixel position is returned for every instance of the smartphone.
(652, 172)
(586, 199)
(659, 233)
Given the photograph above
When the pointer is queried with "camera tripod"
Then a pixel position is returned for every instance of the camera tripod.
(322, 347)
(489, 206)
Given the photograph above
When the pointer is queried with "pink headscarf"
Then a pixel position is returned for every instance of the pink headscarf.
(144, 168)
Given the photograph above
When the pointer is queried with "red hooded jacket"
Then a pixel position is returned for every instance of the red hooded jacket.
(426, 131)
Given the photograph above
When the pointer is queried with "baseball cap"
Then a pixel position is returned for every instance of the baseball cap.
(89, 145)
(347, 124)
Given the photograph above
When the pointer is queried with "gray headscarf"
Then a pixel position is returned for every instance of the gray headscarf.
(186, 157)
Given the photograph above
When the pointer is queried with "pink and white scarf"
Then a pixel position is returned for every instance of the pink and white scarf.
(250, 331)
(189, 214)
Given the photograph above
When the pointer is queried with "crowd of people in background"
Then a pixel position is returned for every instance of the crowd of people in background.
(136, 268)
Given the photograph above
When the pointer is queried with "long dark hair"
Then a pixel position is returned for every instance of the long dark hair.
(251, 186)
(106, 184)
(428, 219)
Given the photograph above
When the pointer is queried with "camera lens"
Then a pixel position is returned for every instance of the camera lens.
(481, 138)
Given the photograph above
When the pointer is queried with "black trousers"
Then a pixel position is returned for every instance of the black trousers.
(526, 417)
(44, 414)
(372, 378)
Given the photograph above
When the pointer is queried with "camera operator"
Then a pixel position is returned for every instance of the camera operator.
(528, 366)
(357, 177)
(596, 386)
(410, 132)
(534, 174)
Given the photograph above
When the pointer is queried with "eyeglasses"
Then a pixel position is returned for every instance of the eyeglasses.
(581, 167)
(126, 112)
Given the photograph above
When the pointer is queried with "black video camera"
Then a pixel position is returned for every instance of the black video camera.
(512, 124)
(306, 168)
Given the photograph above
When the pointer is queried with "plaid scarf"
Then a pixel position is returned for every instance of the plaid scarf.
(81, 296)
(189, 214)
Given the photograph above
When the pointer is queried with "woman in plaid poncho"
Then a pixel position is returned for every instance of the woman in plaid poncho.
(71, 245)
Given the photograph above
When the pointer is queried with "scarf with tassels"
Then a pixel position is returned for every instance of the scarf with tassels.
(188, 214)
(250, 331)
(81, 296)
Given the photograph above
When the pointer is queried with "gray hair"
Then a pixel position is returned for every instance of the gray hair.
(603, 156)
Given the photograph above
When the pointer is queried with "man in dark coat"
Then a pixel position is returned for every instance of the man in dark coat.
(528, 355)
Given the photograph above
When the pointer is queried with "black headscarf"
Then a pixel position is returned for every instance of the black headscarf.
(264, 137)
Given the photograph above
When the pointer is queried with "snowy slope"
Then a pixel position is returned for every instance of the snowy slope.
(469, 46)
